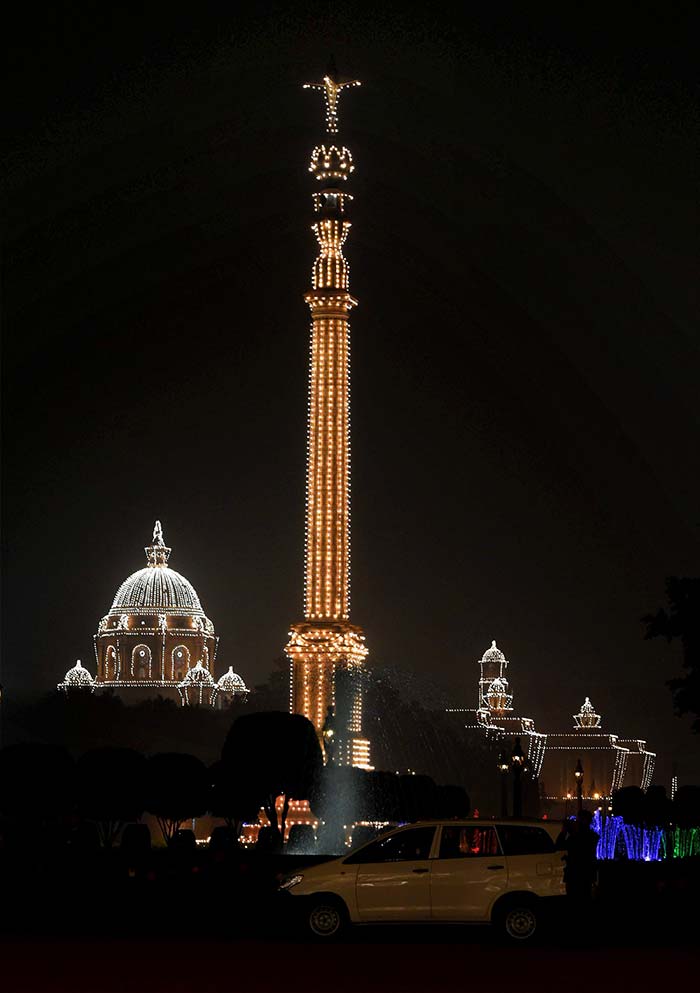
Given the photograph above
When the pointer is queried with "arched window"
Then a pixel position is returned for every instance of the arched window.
(179, 662)
(111, 664)
(141, 662)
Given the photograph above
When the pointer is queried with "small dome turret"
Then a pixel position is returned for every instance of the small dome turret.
(587, 717)
(493, 654)
(198, 686)
(231, 682)
(77, 678)
(499, 700)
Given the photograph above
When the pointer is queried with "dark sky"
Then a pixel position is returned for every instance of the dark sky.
(525, 352)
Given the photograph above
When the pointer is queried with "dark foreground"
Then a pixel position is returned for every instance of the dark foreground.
(207, 924)
(391, 960)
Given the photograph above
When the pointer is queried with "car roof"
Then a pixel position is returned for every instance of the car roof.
(551, 827)
(446, 821)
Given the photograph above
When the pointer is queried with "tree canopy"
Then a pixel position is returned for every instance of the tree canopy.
(682, 621)
(177, 789)
(281, 757)
(111, 789)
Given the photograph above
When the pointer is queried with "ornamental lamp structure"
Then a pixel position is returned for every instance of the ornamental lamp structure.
(578, 775)
(503, 766)
(326, 651)
(518, 764)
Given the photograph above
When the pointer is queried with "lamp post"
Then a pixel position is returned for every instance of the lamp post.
(504, 768)
(518, 761)
(578, 773)
(328, 734)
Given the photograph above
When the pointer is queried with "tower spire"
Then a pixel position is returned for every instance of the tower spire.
(326, 650)
(157, 552)
(332, 87)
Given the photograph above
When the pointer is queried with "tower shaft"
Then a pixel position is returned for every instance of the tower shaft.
(327, 566)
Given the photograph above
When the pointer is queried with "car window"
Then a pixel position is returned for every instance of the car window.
(462, 842)
(522, 839)
(406, 846)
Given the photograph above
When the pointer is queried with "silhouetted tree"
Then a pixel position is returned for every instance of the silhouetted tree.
(282, 756)
(111, 789)
(657, 807)
(682, 621)
(686, 807)
(418, 798)
(273, 694)
(37, 787)
(628, 803)
(233, 795)
(177, 789)
(452, 801)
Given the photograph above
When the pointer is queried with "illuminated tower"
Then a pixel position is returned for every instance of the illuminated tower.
(326, 651)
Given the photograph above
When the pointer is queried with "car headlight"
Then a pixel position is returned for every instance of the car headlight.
(289, 881)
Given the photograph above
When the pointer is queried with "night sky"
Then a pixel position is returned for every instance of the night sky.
(525, 352)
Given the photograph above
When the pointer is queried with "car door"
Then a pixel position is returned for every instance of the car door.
(468, 874)
(532, 858)
(393, 876)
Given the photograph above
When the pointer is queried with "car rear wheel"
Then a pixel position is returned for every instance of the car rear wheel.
(518, 921)
(326, 918)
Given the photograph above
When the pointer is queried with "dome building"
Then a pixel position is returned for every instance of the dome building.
(155, 631)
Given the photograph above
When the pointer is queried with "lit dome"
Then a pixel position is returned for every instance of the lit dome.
(493, 654)
(231, 682)
(157, 587)
(77, 678)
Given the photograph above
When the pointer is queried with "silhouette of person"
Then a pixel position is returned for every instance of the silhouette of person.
(580, 842)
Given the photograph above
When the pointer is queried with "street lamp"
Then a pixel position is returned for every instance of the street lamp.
(578, 773)
(328, 734)
(503, 767)
(518, 762)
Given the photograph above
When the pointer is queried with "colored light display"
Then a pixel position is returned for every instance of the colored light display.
(642, 843)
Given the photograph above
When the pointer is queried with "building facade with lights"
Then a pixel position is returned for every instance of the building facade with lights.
(494, 715)
(156, 638)
(326, 651)
(608, 761)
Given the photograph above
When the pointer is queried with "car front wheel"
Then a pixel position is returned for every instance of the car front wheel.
(326, 919)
